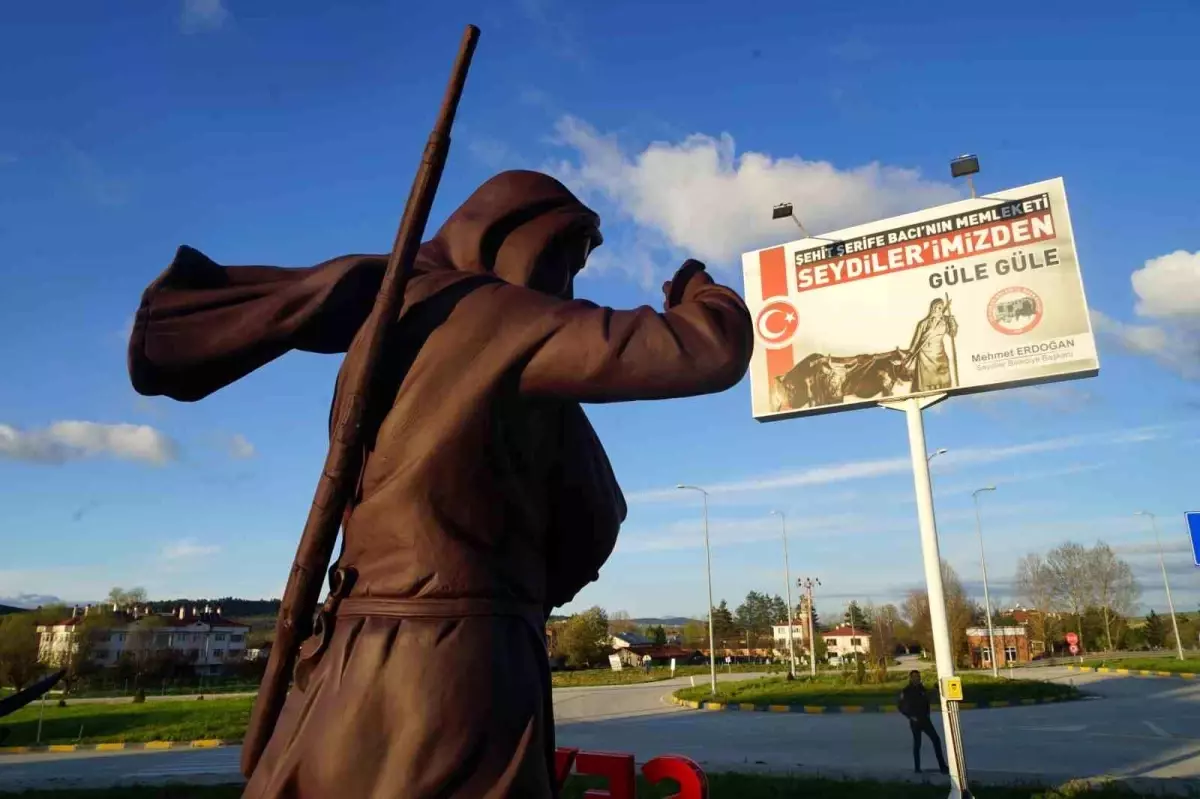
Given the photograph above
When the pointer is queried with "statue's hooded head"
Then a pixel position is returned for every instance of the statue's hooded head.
(524, 227)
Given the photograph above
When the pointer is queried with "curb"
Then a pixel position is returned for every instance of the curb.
(1183, 675)
(203, 743)
(851, 709)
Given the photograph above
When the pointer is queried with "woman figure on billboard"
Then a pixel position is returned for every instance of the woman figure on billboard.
(927, 356)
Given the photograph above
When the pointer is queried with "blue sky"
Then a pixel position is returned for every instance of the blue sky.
(287, 133)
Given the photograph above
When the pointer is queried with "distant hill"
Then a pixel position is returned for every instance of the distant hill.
(232, 607)
(666, 621)
(7, 609)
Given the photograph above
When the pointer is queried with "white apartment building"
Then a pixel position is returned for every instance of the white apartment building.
(843, 641)
(202, 636)
(779, 632)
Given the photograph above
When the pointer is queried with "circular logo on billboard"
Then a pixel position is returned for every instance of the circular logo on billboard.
(1014, 310)
(777, 324)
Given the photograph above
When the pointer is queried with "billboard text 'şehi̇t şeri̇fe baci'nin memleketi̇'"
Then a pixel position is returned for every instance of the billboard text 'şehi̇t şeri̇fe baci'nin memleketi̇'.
(975, 295)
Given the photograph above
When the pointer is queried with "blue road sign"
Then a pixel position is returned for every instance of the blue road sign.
(1193, 523)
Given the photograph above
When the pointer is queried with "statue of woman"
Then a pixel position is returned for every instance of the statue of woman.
(485, 499)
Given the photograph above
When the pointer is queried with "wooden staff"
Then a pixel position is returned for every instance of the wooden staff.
(953, 346)
(344, 459)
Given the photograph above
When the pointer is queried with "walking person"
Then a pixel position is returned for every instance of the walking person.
(914, 704)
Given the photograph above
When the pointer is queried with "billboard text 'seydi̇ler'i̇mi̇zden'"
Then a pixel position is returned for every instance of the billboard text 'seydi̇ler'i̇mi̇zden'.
(971, 296)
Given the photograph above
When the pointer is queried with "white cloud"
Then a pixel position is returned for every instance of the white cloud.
(240, 447)
(1168, 294)
(554, 25)
(862, 470)
(30, 600)
(72, 440)
(203, 15)
(698, 197)
(725, 532)
(187, 548)
(1056, 396)
(1168, 285)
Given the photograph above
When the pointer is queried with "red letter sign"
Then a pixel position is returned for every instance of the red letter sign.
(617, 769)
(692, 782)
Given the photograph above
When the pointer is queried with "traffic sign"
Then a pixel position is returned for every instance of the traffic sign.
(1072, 639)
(1193, 523)
(1074, 649)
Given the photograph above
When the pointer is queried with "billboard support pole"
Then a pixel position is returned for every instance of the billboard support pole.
(942, 650)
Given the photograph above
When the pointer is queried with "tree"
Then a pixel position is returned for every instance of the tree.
(855, 617)
(695, 634)
(658, 635)
(140, 656)
(1069, 563)
(779, 610)
(1035, 587)
(1155, 631)
(754, 617)
(585, 639)
(19, 665)
(960, 612)
(122, 598)
(1114, 585)
(724, 627)
(620, 622)
(883, 630)
(891, 620)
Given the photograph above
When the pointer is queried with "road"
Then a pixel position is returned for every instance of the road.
(1140, 728)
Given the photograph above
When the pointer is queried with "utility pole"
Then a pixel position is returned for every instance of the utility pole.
(807, 584)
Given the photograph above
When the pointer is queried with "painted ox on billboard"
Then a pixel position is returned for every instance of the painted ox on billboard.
(827, 380)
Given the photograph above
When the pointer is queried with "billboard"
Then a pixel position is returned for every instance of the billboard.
(975, 295)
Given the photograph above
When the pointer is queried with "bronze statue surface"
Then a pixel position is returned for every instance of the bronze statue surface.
(485, 498)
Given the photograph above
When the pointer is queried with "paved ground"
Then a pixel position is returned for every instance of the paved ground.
(1140, 728)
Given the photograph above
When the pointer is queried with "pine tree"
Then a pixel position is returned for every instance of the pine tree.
(1156, 631)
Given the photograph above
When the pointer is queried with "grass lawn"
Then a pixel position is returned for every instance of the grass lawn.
(1169, 663)
(629, 676)
(166, 720)
(837, 690)
(722, 786)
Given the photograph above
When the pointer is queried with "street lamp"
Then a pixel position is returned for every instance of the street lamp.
(935, 453)
(965, 166)
(787, 576)
(1166, 583)
(785, 211)
(712, 649)
(987, 602)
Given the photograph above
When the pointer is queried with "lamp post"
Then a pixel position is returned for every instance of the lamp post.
(787, 577)
(808, 583)
(784, 211)
(966, 166)
(935, 453)
(712, 649)
(1166, 584)
(987, 602)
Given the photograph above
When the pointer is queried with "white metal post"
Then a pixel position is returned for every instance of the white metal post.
(712, 648)
(987, 602)
(787, 576)
(942, 650)
(1166, 583)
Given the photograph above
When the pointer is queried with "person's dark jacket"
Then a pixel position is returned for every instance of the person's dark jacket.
(914, 702)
